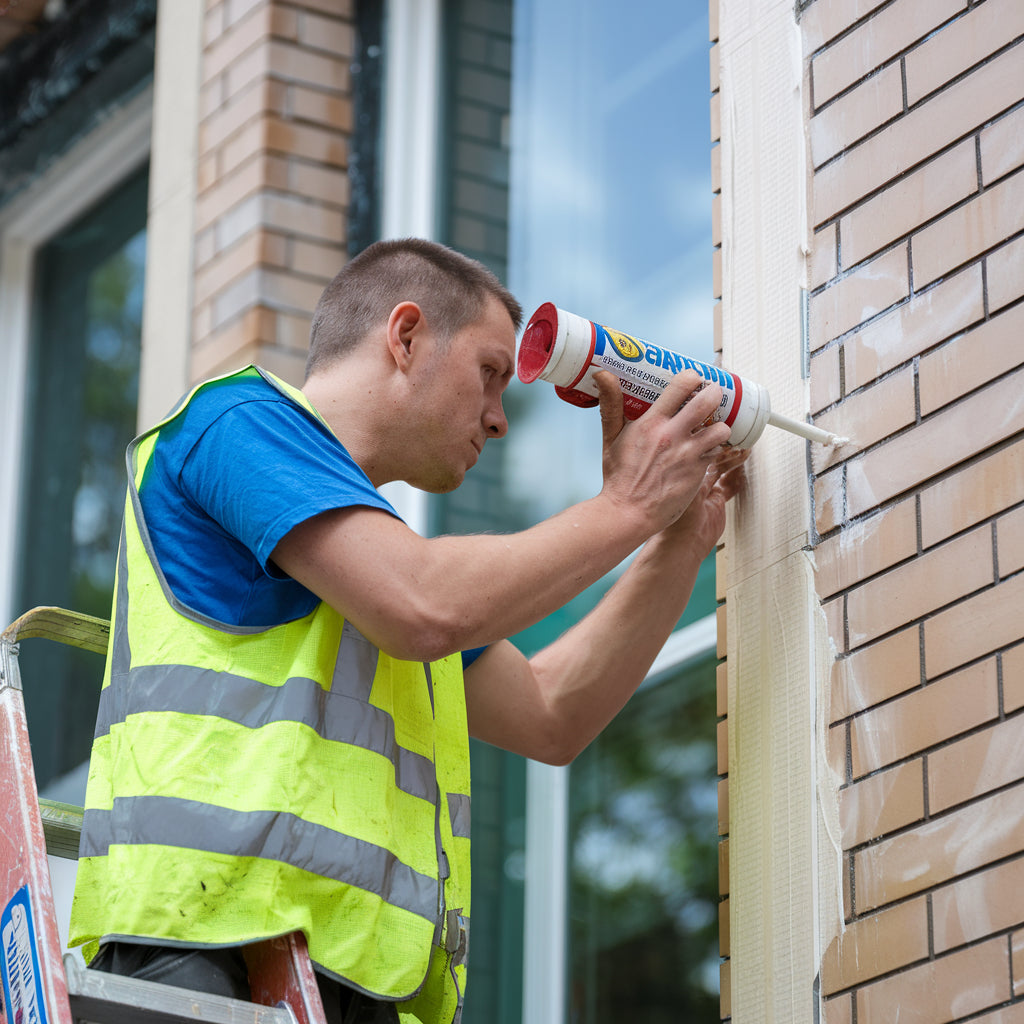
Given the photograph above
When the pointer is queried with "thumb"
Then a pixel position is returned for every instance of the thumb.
(609, 396)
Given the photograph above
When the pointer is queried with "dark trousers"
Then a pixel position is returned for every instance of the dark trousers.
(223, 972)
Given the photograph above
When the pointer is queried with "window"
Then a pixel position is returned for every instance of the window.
(80, 413)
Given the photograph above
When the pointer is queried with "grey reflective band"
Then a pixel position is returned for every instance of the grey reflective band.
(187, 690)
(271, 835)
(458, 811)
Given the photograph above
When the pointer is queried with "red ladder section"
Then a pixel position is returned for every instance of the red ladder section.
(36, 987)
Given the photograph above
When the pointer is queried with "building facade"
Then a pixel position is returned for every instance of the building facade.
(836, 213)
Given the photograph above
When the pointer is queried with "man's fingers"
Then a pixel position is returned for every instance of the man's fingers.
(609, 397)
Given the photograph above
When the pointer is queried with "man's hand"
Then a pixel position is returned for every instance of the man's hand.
(657, 464)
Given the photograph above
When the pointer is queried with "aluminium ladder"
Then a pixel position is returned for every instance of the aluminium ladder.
(39, 987)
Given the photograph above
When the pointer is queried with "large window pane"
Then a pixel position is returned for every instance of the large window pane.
(644, 865)
(83, 388)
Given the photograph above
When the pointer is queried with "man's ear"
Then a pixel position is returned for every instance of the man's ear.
(406, 326)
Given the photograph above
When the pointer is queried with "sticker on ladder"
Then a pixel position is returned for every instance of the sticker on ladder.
(23, 994)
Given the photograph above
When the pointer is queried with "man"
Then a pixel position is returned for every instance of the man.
(282, 737)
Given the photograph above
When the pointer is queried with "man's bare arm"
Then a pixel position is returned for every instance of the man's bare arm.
(551, 706)
(424, 598)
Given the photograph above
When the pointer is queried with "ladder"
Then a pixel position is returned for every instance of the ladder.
(41, 987)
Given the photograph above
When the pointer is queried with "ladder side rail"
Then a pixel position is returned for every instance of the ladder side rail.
(32, 970)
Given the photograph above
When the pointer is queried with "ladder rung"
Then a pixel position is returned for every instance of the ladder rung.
(62, 827)
(110, 999)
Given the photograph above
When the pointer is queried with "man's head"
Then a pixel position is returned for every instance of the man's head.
(450, 288)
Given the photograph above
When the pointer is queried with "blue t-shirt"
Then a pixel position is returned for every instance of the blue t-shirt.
(229, 477)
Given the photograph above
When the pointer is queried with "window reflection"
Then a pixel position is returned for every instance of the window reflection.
(644, 878)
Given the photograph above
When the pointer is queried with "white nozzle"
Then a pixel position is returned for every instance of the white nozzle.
(807, 430)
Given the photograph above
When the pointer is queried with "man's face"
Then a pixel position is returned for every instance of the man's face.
(460, 392)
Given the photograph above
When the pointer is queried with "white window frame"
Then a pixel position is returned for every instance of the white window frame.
(65, 191)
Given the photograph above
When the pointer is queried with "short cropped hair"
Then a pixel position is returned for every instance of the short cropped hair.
(450, 288)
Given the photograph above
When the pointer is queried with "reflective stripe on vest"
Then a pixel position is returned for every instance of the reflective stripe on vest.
(245, 783)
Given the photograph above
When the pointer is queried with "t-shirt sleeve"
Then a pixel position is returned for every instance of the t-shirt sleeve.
(262, 467)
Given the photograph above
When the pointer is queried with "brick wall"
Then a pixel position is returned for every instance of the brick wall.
(916, 334)
(276, 119)
(916, 135)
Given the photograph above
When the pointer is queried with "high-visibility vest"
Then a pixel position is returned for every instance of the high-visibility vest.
(246, 783)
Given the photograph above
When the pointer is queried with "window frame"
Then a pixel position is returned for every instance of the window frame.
(64, 192)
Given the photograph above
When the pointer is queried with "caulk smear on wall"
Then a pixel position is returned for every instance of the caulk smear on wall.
(785, 890)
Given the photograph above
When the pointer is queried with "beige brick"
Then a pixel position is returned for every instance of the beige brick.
(961, 44)
(234, 346)
(837, 751)
(315, 259)
(938, 851)
(322, 33)
(1002, 146)
(254, 249)
(838, 1010)
(923, 718)
(906, 593)
(307, 142)
(714, 68)
(859, 296)
(834, 613)
(248, 143)
(715, 112)
(316, 181)
(972, 495)
(300, 217)
(334, 8)
(968, 231)
(825, 378)
(1013, 680)
(928, 318)
(975, 765)
(829, 500)
(1005, 274)
(882, 803)
(230, 191)
(826, 19)
(975, 627)
(1010, 531)
(723, 747)
(878, 40)
(723, 928)
(976, 907)
(945, 989)
(1017, 962)
(950, 436)
(910, 201)
(867, 417)
(723, 867)
(231, 45)
(723, 806)
(920, 134)
(299, 64)
(722, 689)
(1008, 1015)
(876, 945)
(293, 331)
(971, 360)
(876, 673)
(286, 291)
(824, 259)
(850, 118)
(323, 108)
(865, 548)
(245, 107)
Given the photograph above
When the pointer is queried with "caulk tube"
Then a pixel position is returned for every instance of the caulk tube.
(566, 350)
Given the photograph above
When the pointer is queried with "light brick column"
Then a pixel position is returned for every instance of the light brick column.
(276, 117)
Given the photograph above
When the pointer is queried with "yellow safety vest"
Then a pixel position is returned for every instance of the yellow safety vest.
(246, 783)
